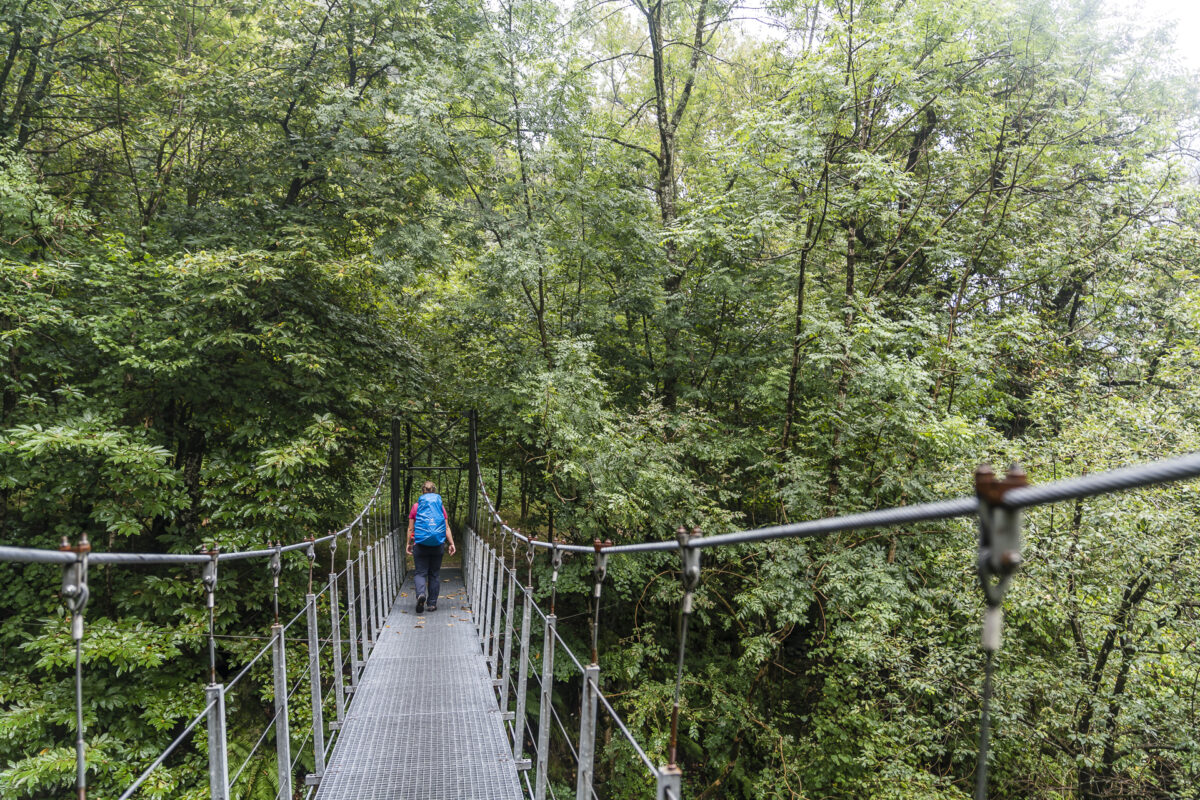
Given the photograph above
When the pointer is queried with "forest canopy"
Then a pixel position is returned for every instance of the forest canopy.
(693, 262)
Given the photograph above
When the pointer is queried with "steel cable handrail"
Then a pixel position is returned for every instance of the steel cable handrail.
(31, 555)
(612, 713)
(170, 748)
(1117, 480)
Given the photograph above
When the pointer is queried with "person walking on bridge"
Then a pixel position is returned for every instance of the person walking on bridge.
(428, 532)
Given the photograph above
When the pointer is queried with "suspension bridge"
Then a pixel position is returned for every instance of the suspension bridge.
(435, 706)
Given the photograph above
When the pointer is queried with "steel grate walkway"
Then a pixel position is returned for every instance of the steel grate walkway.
(424, 724)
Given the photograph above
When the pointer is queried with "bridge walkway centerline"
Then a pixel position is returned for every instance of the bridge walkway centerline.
(424, 723)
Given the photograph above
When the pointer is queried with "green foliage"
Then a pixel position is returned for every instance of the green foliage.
(688, 275)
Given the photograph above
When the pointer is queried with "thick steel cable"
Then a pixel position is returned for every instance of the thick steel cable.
(571, 655)
(1156, 473)
(1117, 480)
(170, 749)
(1126, 478)
(612, 713)
(30, 555)
(233, 781)
(566, 736)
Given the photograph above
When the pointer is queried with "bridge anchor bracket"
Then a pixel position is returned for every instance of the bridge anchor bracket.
(524, 764)
(508, 716)
(312, 780)
(497, 683)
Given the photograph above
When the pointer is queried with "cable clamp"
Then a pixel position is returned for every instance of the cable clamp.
(690, 558)
(999, 554)
(600, 567)
(75, 584)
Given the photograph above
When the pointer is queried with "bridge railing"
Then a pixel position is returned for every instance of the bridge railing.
(493, 585)
(343, 617)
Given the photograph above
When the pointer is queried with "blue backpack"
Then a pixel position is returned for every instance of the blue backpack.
(430, 525)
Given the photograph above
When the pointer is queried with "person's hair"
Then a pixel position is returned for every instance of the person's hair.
(428, 488)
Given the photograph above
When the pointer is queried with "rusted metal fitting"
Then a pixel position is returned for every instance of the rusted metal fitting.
(529, 554)
(84, 545)
(991, 489)
(999, 531)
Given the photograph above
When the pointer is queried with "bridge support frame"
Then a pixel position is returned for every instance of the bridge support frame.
(314, 676)
(522, 677)
(494, 616)
(364, 595)
(506, 675)
(547, 697)
(485, 575)
(669, 783)
(335, 626)
(587, 732)
(283, 737)
(218, 752)
(351, 607)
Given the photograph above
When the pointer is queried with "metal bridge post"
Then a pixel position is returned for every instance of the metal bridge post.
(218, 762)
(385, 558)
(506, 675)
(669, 783)
(364, 593)
(587, 732)
(393, 569)
(283, 736)
(543, 746)
(377, 594)
(335, 622)
(314, 676)
(494, 616)
(351, 607)
(485, 605)
(523, 668)
(380, 552)
(591, 683)
(476, 547)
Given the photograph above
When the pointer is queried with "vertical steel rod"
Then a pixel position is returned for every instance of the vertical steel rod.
(587, 732)
(485, 606)
(494, 628)
(364, 592)
(351, 607)
(543, 745)
(335, 620)
(522, 681)
(508, 634)
(283, 736)
(218, 759)
(314, 677)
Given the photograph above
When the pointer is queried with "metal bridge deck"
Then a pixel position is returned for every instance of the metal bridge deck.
(423, 724)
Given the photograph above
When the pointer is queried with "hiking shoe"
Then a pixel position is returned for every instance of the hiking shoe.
(420, 604)
(432, 608)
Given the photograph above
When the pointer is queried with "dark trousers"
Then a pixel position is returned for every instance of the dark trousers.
(428, 561)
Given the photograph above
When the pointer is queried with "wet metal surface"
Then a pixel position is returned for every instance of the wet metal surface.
(423, 724)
